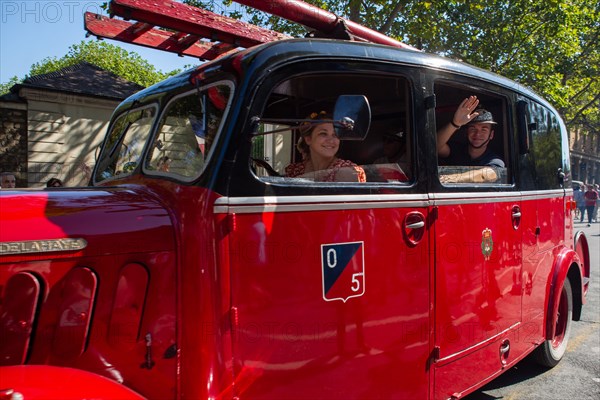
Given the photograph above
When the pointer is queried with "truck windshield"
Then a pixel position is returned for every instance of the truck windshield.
(125, 143)
(186, 132)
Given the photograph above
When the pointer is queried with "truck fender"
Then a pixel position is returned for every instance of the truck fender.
(51, 382)
(562, 265)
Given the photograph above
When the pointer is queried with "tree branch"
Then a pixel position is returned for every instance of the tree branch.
(390, 19)
(582, 109)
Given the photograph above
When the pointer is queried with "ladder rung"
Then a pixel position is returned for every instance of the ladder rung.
(175, 42)
(196, 21)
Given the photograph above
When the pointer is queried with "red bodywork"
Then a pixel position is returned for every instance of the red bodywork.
(84, 308)
(255, 324)
(48, 382)
(291, 337)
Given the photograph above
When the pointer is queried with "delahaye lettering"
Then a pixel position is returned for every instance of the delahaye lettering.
(41, 246)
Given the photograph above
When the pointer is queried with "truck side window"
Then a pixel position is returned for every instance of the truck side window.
(124, 144)
(186, 132)
(384, 156)
(546, 147)
(474, 152)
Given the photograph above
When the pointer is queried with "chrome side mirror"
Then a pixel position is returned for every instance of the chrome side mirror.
(352, 117)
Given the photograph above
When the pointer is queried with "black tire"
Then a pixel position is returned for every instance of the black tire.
(549, 353)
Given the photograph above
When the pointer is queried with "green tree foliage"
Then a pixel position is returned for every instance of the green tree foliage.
(128, 65)
(551, 46)
(5, 87)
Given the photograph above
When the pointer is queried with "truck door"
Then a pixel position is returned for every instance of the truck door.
(477, 256)
(330, 280)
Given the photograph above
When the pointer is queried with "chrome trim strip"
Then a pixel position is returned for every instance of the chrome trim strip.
(320, 207)
(42, 246)
(224, 205)
(318, 199)
(452, 357)
(473, 198)
(545, 194)
(317, 203)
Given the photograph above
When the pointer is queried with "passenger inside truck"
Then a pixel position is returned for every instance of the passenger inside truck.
(471, 141)
(275, 147)
(319, 145)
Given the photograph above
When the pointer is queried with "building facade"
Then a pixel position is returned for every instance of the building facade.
(585, 156)
(52, 124)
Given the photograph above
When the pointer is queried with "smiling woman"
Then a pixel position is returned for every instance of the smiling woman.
(319, 145)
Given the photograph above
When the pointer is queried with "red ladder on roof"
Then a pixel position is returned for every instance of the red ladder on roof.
(187, 26)
(145, 35)
(196, 32)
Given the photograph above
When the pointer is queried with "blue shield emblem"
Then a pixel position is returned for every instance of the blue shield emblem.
(343, 268)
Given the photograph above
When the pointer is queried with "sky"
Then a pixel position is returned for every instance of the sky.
(32, 30)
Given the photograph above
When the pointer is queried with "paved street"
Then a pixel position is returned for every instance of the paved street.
(577, 376)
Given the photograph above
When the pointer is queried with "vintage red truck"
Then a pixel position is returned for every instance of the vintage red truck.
(192, 267)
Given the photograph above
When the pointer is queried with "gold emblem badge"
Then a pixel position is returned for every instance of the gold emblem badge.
(487, 243)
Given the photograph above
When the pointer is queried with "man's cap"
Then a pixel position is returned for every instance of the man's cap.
(484, 117)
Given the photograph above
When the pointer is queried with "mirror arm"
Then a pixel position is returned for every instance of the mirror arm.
(346, 123)
(289, 121)
(351, 119)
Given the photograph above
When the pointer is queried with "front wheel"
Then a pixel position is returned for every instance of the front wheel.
(551, 351)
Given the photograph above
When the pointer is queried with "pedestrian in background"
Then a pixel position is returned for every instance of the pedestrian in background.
(591, 197)
(597, 190)
(579, 200)
(8, 180)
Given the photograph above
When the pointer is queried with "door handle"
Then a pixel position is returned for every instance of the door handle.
(416, 225)
(516, 217)
(504, 352)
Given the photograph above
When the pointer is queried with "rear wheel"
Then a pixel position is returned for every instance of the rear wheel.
(551, 351)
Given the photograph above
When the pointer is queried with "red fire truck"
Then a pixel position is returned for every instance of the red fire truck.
(194, 267)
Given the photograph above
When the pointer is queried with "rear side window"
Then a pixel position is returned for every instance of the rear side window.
(186, 132)
(125, 142)
(475, 153)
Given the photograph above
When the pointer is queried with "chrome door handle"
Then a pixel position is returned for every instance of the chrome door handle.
(413, 227)
(516, 216)
(416, 225)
